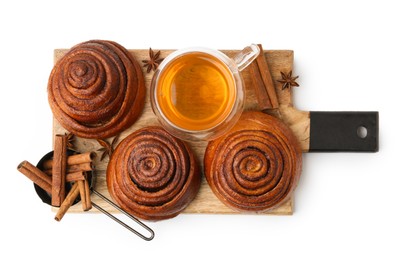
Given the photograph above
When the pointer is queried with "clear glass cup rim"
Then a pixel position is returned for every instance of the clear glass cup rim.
(228, 62)
(234, 64)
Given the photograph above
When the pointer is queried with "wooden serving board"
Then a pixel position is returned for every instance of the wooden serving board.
(205, 201)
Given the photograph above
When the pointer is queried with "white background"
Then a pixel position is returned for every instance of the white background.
(348, 55)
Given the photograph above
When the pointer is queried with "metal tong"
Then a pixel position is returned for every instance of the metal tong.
(149, 238)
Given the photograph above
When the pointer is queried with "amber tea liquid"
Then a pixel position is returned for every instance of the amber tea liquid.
(196, 91)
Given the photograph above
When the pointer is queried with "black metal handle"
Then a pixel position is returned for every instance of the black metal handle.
(344, 131)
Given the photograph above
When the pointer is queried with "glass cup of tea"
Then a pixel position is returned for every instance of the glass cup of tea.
(198, 93)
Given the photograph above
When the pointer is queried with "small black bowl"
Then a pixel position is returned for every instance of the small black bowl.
(46, 197)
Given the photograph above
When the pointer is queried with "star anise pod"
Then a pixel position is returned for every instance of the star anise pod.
(70, 141)
(153, 61)
(288, 81)
(107, 148)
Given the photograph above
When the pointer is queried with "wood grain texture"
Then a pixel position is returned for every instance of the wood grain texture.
(205, 201)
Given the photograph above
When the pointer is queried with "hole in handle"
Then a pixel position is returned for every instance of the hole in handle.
(361, 132)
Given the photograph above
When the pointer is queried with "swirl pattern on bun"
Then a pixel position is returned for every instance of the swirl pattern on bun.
(152, 174)
(96, 90)
(256, 166)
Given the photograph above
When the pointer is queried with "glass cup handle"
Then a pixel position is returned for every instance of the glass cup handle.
(246, 56)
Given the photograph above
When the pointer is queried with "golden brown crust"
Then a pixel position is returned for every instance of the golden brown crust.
(97, 89)
(256, 166)
(152, 174)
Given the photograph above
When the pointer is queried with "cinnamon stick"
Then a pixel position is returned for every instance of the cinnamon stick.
(267, 78)
(36, 175)
(75, 176)
(74, 168)
(87, 194)
(81, 188)
(72, 160)
(262, 96)
(263, 83)
(68, 201)
(59, 170)
(84, 194)
(80, 167)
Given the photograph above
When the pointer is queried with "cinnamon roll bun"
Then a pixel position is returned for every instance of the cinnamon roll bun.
(96, 90)
(152, 174)
(256, 165)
